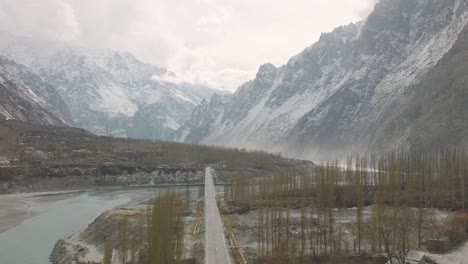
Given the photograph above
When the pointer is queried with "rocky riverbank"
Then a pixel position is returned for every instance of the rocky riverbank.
(60, 178)
(88, 245)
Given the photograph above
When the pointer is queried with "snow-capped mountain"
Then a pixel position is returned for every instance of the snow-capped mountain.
(202, 119)
(24, 96)
(373, 85)
(108, 91)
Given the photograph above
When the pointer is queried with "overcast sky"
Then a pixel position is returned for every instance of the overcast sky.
(217, 42)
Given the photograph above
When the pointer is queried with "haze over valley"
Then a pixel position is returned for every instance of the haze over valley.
(213, 131)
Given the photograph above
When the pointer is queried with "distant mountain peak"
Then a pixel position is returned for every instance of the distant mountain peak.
(108, 92)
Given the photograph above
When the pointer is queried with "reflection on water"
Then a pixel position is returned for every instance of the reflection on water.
(32, 241)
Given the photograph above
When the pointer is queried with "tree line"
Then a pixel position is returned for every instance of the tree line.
(156, 239)
(401, 187)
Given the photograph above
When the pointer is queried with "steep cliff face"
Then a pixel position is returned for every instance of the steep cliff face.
(24, 96)
(435, 110)
(345, 92)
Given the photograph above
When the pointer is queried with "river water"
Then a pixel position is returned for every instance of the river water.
(32, 241)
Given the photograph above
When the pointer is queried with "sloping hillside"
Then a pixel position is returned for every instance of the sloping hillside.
(24, 96)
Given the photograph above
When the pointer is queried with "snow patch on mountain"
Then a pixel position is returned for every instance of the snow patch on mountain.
(179, 95)
(114, 102)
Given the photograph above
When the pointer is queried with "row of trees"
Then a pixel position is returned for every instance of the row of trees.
(68, 145)
(400, 185)
(418, 179)
(150, 151)
(158, 239)
(166, 230)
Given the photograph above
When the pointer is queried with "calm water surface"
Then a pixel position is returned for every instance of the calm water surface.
(32, 241)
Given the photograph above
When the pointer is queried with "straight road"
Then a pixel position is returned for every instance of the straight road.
(216, 251)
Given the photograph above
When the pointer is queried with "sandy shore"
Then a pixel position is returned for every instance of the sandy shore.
(14, 208)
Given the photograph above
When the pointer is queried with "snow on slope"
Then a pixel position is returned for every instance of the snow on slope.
(23, 96)
(107, 91)
(333, 96)
(114, 101)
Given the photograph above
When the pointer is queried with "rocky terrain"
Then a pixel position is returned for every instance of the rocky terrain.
(393, 80)
(88, 245)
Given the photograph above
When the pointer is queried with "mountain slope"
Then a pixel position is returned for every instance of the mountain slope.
(109, 92)
(340, 93)
(202, 120)
(442, 95)
(24, 96)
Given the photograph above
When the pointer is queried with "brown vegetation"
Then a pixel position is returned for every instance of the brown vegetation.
(70, 145)
(157, 238)
(400, 186)
(42, 153)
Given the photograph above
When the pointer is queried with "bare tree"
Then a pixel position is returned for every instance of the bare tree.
(107, 253)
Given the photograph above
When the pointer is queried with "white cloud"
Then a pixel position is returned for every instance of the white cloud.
(217, 42)
(217, 17)
(68, 28)
(53, 19)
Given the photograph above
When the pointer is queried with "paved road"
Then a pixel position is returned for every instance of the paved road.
(216, 251)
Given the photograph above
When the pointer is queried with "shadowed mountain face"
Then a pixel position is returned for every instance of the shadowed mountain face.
(24, 96)
(435, 110)
(375, 85)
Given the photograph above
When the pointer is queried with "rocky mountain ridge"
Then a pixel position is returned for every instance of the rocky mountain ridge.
(345, 92)
(108, 92)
